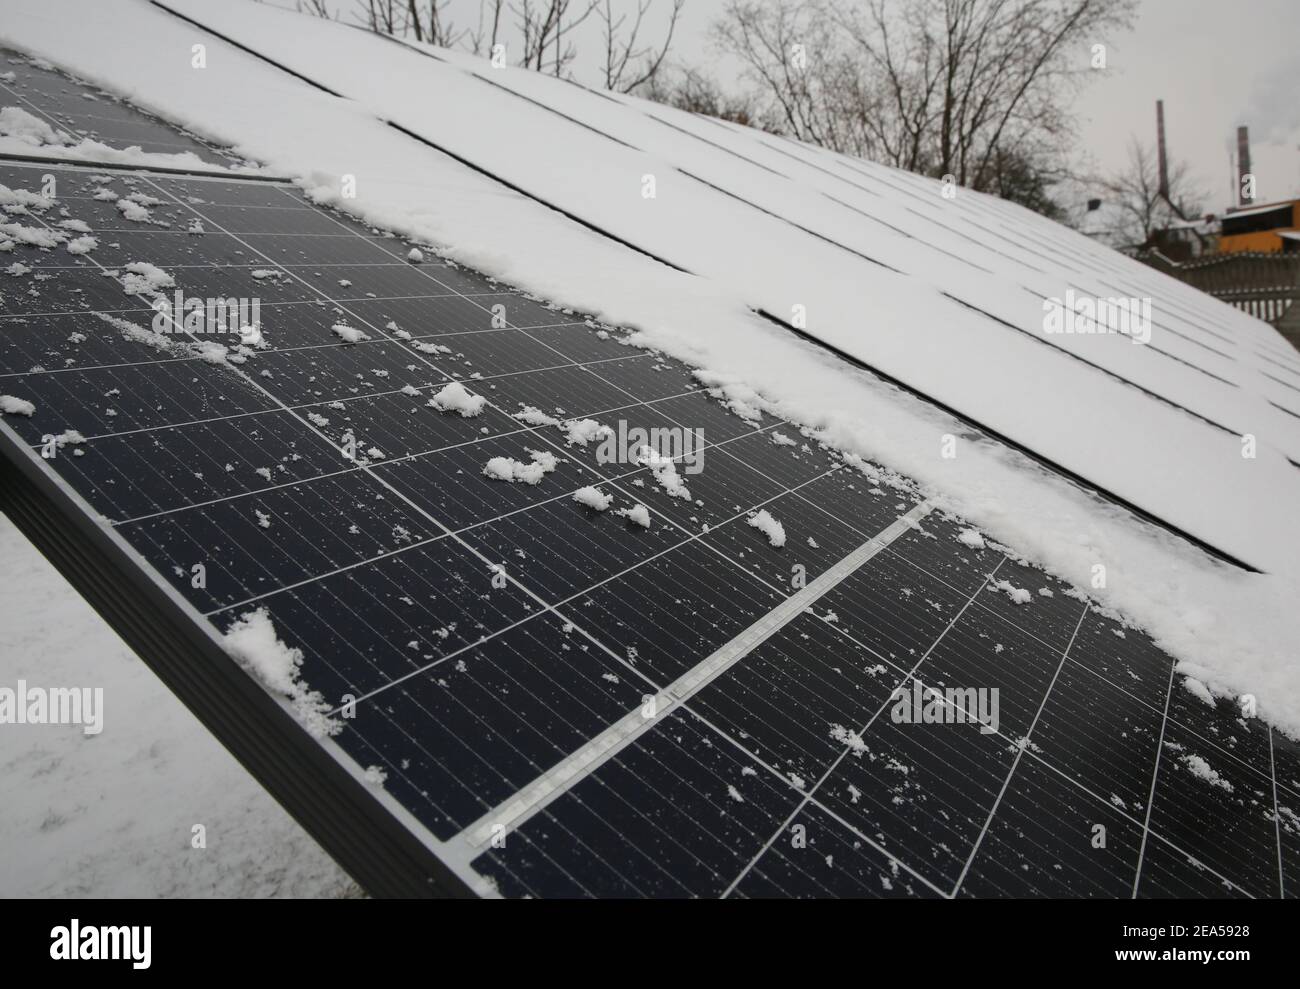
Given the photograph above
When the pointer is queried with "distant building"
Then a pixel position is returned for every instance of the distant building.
(1183, 240)
(1267, 229)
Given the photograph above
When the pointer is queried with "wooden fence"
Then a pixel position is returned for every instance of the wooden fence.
(1265, 285)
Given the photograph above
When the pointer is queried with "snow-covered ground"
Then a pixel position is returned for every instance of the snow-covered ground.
(112, 814)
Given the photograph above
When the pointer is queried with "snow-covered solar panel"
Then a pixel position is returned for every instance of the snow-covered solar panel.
(947, 277)
(94, 115)
(477, 706)
(527, 692)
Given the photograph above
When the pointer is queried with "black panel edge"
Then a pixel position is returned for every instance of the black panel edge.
(1096, 367)
(586, 224)
(336, 809)
(116, 166)
(244, 48)
(1078, 480)
(427, 142)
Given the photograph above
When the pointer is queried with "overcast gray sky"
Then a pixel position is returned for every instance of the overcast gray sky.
(1215, 63)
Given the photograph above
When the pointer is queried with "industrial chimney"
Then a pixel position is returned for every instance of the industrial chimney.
(1160, 150)
(1243, 165)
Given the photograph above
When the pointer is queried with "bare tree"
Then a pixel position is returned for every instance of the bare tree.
(536, 34)
(694, 91)
(1136, 208)
(628, 66)
(316, 8)
(383, 16)
(543, 26)
(425, 20)
(428, 21)
(976, 89)
(484, 38)
(799, 61)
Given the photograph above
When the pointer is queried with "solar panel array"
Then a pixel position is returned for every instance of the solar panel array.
(963, 277)
(561, 701)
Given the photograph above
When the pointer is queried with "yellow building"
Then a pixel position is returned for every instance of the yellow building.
(1270, 228)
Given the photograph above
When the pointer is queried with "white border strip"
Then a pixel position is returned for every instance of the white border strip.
(555, 782)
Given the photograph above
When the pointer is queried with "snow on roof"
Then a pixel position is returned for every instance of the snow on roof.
(1256, 210)
(1095, 416)
(685, 229)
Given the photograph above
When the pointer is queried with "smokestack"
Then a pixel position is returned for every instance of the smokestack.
(1243, 165)
(1160, 149)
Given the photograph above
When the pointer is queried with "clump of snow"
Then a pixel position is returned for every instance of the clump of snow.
(252, 641)
(23, 201)
(415, 255)
(133, 211)
(741, 399)
(665, 472)
(593, 497)
(768, 526)
(535, 417)
(29, 129)
(971, 538)
(143, 278)
(210, 351)
(138, 334)
(580, 432)
(846, 736)
(31, 236)
(349, 334)
(1018, 595)
(1199, 767)
(780, 439)
(251, 336)
(427, 348)
(515, 471)
(16, 406)
(82, 245)
(455, 397)
(638, 514)
(1198, 690)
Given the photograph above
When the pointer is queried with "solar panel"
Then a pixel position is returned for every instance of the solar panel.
(551, 700)
(95, 114)
(755, 204)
